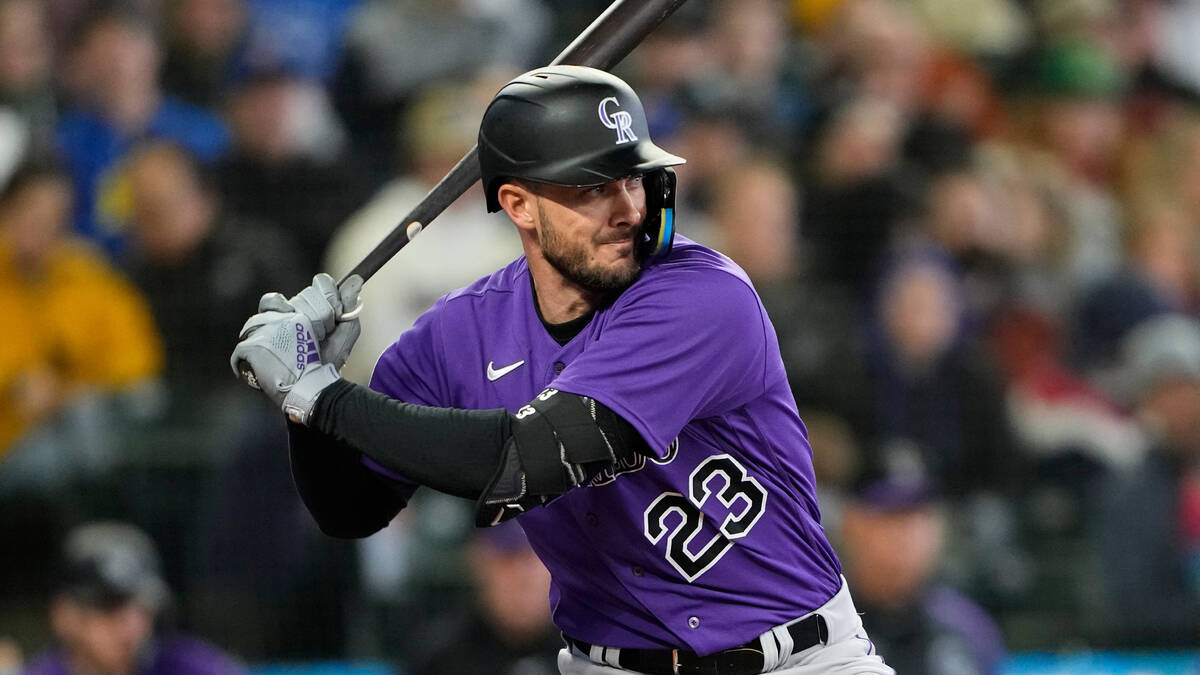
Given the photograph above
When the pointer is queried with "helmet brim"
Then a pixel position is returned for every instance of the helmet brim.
(605, 167)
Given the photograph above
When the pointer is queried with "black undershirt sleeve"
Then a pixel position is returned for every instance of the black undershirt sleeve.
(345, 498)
(451, 450)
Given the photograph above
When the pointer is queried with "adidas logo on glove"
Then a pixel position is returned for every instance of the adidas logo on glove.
(306, 348)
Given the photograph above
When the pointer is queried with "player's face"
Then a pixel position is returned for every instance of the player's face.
(587, 233)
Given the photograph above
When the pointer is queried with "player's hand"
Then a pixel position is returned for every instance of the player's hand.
(324, 303)
(278, 354)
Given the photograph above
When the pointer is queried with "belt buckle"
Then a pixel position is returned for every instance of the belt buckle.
(675, 661)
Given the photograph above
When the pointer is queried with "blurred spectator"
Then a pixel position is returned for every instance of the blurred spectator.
(857, 196)
(116, 101)
(73, 306)
(289, 167)
(395, 47)
(308, 34)
(1029, 231)
(892, 535)
(962, 215)
(878, 49)
(1072, 111)
(27, 69)
(1070, 428)
(463, 244)
(199, 265)
(1147, 531)
(753, 72)
(507, 630)
(1158, 275)
(762, 240)
(927, 379)
(110, 609)
(712, 140)
(960, 105)
(203, 38)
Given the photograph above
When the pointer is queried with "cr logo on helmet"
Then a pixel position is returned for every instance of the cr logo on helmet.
(620, 120)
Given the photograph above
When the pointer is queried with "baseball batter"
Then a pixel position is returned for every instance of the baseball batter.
(618, 389)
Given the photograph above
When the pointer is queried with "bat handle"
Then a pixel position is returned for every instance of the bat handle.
(248, 374)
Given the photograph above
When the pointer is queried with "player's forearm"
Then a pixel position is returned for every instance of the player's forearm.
(451, 450)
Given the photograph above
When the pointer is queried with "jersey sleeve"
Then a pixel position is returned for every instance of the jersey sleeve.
(686, 344)
(407, 370)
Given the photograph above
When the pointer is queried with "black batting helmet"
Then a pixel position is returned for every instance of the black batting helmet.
(573, 125)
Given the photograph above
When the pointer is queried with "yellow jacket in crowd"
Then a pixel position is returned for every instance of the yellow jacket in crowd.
(81, 326)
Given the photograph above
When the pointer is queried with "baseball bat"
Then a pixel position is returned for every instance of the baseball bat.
(601, 45)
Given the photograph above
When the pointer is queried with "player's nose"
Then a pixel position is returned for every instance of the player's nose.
(629, 203)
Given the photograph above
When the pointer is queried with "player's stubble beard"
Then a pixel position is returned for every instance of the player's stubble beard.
(571, 261)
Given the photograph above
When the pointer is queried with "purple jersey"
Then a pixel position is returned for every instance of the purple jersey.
(717, 538)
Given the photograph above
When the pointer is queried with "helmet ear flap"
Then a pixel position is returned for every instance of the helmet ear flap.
(658, 231)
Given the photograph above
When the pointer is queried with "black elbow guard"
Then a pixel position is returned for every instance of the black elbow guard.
(559, 441)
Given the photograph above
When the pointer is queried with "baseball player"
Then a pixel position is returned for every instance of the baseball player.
(618, 390)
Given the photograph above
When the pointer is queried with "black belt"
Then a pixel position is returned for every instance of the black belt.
(744, 660)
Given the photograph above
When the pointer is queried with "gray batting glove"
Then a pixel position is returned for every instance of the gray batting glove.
(324, 304)
(278, 354)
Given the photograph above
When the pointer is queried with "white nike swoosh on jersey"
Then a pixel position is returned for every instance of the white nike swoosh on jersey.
(494, 373)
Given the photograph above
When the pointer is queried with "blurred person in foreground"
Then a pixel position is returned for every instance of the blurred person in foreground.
(1147, 521)
(892, 530)
(109, 608)
(508, 628)
(72, 306)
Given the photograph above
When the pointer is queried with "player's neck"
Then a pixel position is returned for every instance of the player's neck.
(558, 299)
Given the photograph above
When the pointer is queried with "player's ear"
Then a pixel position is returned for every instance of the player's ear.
(519, 203)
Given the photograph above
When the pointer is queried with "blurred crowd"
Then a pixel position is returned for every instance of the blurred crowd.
(975, 225)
